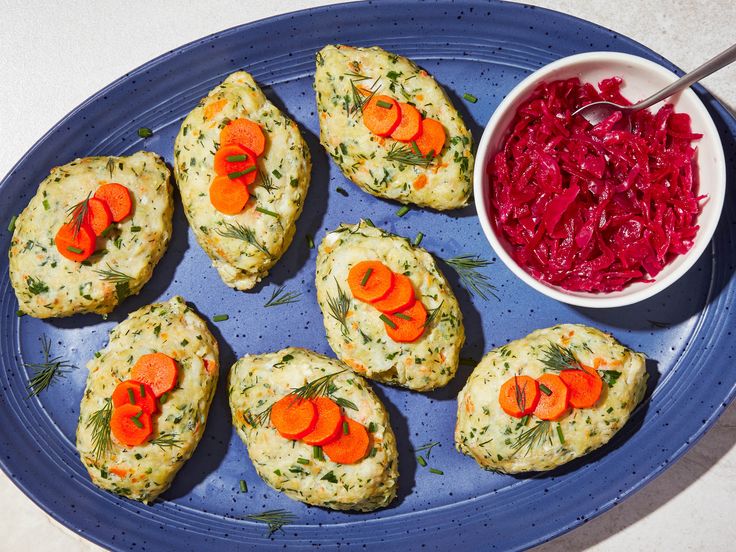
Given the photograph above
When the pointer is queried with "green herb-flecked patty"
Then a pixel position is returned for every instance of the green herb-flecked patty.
(503, 443)
(364, 157)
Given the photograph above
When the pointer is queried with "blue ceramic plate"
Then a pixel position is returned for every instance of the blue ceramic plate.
(481, 48)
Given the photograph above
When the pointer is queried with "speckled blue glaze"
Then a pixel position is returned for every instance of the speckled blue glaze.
(475, 47)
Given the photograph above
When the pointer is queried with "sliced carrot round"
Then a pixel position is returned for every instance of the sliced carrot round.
(293, 417)
(99, 215)
(157, 370)
(431, 139)
(407, 325)
(400, 297)
(237, 163)
(410, 125)
(370, 280)
(117, 198)
(329, 423)
(585, 386)
(75, 243)
(245, 132)
(134, 392)
(349, 447)
(519, 396)
(554, 397)
(381, 114)
(130, 425)
(228, 196)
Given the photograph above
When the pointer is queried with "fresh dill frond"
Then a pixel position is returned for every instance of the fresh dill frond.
(427, 448)
(275, 519)
(467, 267)
(99, 421)
(406, 155)
(433, 314)
(166, 440)
(79, 213)
(280, 297)
(113, 275)
(266, 182)
(356, 101)
(319, 387)
(339, 307)
(557, 358)
(533, 437)
(239, 232)
(46, 372)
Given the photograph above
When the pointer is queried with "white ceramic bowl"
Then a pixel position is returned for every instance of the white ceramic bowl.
(641, 79)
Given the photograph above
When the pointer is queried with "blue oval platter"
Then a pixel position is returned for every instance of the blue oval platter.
(476, 47)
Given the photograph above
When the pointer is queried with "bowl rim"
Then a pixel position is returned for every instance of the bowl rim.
(588, 299)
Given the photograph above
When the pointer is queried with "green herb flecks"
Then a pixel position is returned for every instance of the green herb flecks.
(145, 132)
(46, 372)
(520, 395)
(281, 297)
(339, 307)
(433, 314)
(319, 387)
(266, 182)
(345, 403)
(220, 317)
(470, 98)
(609, 376)
(418, 239)
(475, 282)
(267, 212)
(390, 323)
(310, 241)
(36, 285)
(427, 448)
(329, 476)
(99, 421)
(239, 232)
(275, 519)
(120, 279)
(402, 211)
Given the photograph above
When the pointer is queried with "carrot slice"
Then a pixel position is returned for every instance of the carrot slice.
(370, 280)
(349, 447)
(157, 370)
(329, 423)
(553, 405)
(519, 396)
(407, 325)
(130, 425)
(135, 392)
(400, 297)
(246, 133)
(117, 198)
(293, 417)
(410, 124)
(236, 162)
(381, 114)
(99, 215)
(228, 196)
(76, 244)
(432, 138)
(585, 386)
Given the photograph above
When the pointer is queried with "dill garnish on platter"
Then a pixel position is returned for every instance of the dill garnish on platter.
(46, 372)
(467, 267)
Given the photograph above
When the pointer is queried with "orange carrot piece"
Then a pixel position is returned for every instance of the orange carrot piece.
(370, 280)
(420, 182)
(432, 138)
(210, 366)
(99, 215)
(157, 370)
(228, 196)
(237, 163)
(293, 417)
(381, 115)
(120, 472)
(519, 396)
(141, 393)
(407, 325)
(410, 125)
(400, 297)
(118, 200)
(554, 405)
(130, 425)
(213, 108)
(76, 244)
(349, 447)
(246, 133)
(585, 386)
(329, 423)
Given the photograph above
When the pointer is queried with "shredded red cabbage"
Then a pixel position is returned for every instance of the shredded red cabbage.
(594, 208)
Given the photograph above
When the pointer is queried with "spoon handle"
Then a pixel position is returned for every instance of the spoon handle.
(711, 66)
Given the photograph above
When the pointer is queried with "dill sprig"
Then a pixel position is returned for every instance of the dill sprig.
(520, 395)
(557, 358)
(433, 314)
(113, 275)
(427, 447)
(316, 388)
(166, 440)
(275, 519)
(406, 155)
(533, 437)
(339, 307)
(467, 267)
(279, 297)
(46, 372)
(36, 285)
(239, 232)
(355, 102)
(99, 421)
(266, 182)
(79, 213)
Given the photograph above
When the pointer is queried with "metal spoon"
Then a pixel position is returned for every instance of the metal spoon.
(596, 112)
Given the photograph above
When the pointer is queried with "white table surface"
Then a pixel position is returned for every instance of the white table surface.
(53, 55)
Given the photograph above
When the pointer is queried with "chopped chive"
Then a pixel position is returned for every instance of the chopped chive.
(384, 105)
(560, 435)
(236, 158)
(145, 132)
(131, 396)
(238, 174)
(136, 421)
(277, 472)
(302, 461)
(135, 228)
(184, 342)
(388, 321)
(402, 316)
(544, 389)
(345, 428)
(470, 97)
(416, 148)
(74, 249)
(138, 456)
(610, 409)
(310, 241)
(19, 313)
(46, 204)
(342, 191)
(371, 427)
(267, 212)
(436, 471)
(143, 390)
(524, 420)
(163, 398)
(276, 173)
(317, 453)
(421, 460)
(366, 276)
(418, 239)
(11, 224)
(401, 212)
(369, 222)
(106, 231)
(243, 486)
(220, 317)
